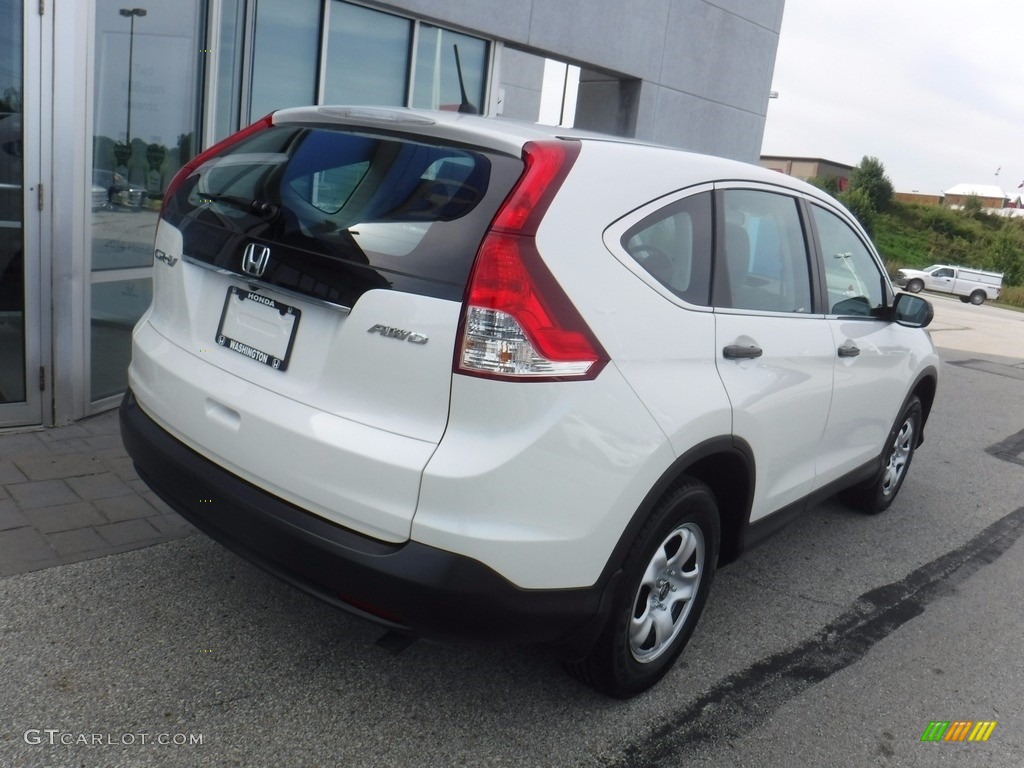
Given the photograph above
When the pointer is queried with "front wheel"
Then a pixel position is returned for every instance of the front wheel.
(978, 297)
(915, 286)
(877, 494)
(666, 578)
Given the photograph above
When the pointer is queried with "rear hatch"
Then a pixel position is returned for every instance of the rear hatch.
(317, 304)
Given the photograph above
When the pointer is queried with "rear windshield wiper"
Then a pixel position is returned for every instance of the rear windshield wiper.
(259, 208)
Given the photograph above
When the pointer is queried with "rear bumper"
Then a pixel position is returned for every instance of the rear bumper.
(409, 587)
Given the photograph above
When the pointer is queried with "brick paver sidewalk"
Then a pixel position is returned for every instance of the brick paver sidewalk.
(71, 493)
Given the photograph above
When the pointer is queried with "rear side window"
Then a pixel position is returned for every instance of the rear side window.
(674, 246)
(344, 212)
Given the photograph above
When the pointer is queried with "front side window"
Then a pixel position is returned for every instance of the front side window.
(853, 279)
(763, 254)
(674, 246)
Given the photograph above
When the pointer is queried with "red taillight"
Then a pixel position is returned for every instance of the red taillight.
(518, 324)
(189, 168)
(547, 165)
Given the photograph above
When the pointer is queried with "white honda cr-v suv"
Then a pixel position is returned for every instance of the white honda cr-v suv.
(476, 379)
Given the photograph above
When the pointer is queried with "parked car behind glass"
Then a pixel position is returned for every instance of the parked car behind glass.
(110, 189)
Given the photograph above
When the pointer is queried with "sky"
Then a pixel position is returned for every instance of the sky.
(932, 88)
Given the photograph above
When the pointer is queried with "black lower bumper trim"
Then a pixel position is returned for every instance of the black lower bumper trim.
(410, 587)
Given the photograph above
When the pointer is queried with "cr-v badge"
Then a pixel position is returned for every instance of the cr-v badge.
(254, 259)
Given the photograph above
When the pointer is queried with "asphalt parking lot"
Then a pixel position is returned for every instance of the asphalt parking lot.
(835, 643)
(987, 329)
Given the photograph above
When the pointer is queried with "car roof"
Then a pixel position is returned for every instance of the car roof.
(496, 133)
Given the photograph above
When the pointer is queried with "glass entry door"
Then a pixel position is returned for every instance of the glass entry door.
(20, 371)
(145, 128)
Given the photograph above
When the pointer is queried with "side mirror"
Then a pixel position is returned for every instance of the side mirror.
(912, 311)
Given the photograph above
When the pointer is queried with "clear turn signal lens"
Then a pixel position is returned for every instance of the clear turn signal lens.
(495, 343)
(518, 323)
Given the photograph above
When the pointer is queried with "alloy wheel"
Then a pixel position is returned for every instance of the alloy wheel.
(902, 447)
(665, 595)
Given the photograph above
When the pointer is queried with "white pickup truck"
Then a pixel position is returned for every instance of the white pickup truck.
(971, 285)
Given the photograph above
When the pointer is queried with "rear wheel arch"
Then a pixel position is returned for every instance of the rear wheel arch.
(666, 578)
(726, 465)
(730, 476)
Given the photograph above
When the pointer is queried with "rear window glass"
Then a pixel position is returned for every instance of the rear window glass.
(674, 246)
(377, 211)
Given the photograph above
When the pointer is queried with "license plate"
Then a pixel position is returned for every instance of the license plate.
(258, 327)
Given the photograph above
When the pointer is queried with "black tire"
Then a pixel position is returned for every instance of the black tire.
(965, 299)
(674, 553)
(878, 493)
(915, 285)
(978, 298)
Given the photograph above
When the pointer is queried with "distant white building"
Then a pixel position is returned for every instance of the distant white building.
(993, 200)
(990, 195)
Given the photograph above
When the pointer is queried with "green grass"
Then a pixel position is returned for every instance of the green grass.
(914, 235)
(1012, 297)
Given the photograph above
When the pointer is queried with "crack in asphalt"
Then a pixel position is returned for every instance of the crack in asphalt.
(746, 699)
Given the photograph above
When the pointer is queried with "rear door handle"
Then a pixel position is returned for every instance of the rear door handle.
(737, 352)
(849, 350)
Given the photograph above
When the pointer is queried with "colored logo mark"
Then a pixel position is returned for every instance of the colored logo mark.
(958, 730)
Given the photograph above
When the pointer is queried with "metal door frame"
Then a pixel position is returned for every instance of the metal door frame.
(35, 226)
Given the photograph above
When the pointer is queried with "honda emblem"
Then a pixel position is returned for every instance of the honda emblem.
(254, 259)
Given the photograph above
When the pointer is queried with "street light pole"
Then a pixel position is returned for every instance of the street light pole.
(131, 13)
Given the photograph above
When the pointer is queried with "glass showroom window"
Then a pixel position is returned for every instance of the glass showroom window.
(228, 32)
(145, 127)
(450, 70)
(284, 63)
(367, 56)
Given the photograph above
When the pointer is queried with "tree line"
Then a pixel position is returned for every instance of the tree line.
(918, 235)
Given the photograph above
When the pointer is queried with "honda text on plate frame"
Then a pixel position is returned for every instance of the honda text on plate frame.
(261, 328)
(442, 325)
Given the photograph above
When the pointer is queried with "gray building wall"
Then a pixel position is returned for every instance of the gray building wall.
(521, 77)
(689, 73)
